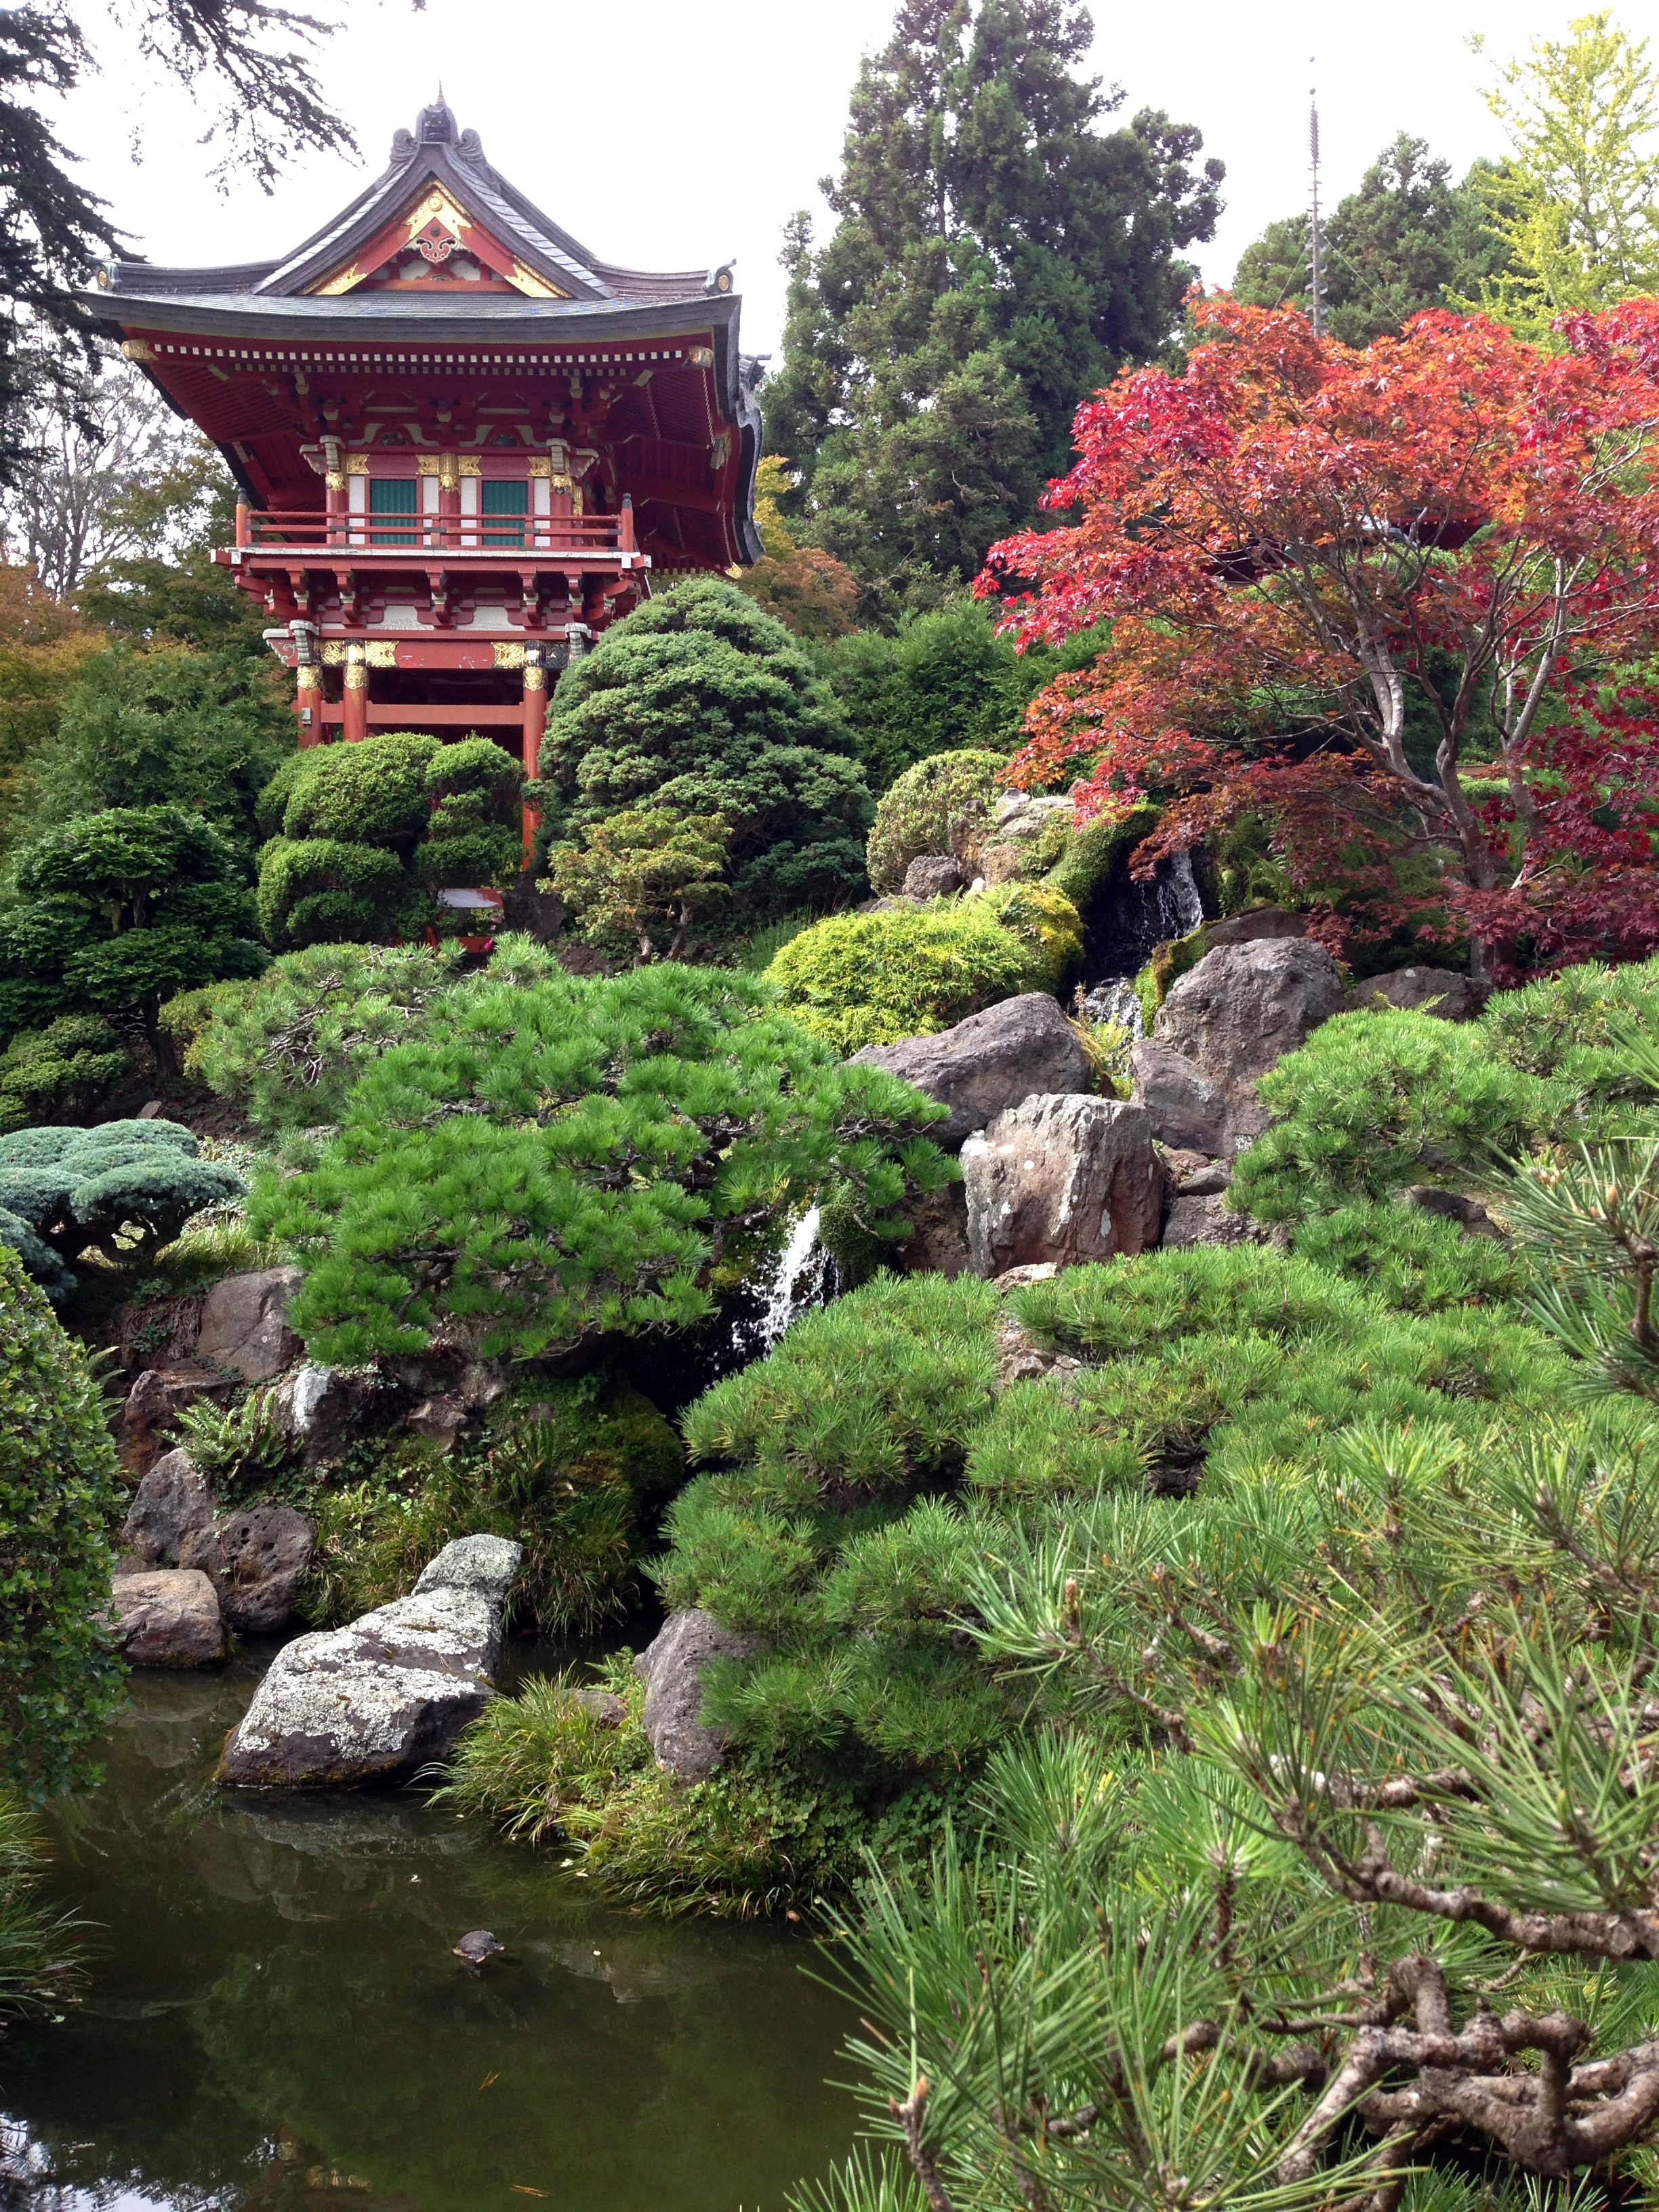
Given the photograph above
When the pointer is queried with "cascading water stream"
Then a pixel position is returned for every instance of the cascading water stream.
(801, 1279)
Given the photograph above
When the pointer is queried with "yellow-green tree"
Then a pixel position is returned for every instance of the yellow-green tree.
(1577, 201)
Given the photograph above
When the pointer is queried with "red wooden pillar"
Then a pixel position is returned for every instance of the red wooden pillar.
(535, 722)
(308, 702)
(335, 499)
(355, 725)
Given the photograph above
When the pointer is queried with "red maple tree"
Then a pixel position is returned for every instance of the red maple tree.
(1320, 564)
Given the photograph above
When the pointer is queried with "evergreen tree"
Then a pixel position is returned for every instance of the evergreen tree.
(1408, 239)
(997, 255)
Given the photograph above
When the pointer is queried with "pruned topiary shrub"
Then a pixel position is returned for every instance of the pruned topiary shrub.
(859, 979)
(122, 1190)
(60, 1678)
(945, 804)
(64, 1069)
(581, 1159)
(362, 836)
(700, 704)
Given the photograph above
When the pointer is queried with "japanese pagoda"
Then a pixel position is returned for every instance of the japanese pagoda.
(462, 441)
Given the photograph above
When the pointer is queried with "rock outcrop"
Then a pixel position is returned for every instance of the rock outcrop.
(380, 1699)
(1066, 1178)
(168, 1617)
(245, 1324)
(256, 1560)
(932, 875)
(1188, 1110)
(1238, 1013)
(172, 1505)
(988, 1063)
(1443, 991)
(672, 1668)
(1201, 1218)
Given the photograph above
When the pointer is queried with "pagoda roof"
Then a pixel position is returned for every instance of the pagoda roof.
(434, 159)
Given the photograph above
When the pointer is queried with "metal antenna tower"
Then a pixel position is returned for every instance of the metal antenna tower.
(1316, 271)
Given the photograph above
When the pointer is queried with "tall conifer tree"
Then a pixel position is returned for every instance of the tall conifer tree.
(997, 255)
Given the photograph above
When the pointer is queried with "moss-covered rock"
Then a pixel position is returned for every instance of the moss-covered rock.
(859, 979)
(1043, 917)
(1093, 853)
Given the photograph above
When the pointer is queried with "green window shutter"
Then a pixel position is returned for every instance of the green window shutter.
(392, 495)
(506, 504)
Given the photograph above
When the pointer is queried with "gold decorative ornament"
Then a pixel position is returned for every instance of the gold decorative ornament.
(309, 676)
(537, 287)
(334, 653)
(701, 356)
(356, 671)
(356, 465)
(540, 465)
(535, 676)
(509, 656)
(469, 464)
(335, 479)
(560, 482)
(342, 281)
(381, 653)
(449, 476)
(134, 349)
(427, 465)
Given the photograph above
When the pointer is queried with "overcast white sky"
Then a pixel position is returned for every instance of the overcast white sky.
(672, 134)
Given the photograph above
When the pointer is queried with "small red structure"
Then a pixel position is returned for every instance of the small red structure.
(463, 441)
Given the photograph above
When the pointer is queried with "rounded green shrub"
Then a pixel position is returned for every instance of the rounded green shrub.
(59, 1492)
(945, 804)
(362, 836)
(65, 1068)
(701, 704)
(859, 979)
(1043, 917)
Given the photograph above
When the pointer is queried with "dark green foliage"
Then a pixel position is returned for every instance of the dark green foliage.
(944, 804)
(37, 1953)
(701, 703)
(1375, 1101)
(1408, 239)
(579, 1158)
(1415, 1261)
(165, 725)
(1591, 1216)
(363, 835)
(943, 680)
(59, 1492)
(62, 1070)
(122, 1190)
(1545, 1027)
(119, 910)
(859, 979)
(567, 1469)
(996, 255)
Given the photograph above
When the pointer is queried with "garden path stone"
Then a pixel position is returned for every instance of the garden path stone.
(988, 1063)
(385, 1697)
(1067, 1178)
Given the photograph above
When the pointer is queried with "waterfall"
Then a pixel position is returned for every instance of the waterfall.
(800, 1279)
(1179, 906)
(1116, 1000)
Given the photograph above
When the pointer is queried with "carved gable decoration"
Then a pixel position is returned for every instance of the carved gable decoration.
(435, 245)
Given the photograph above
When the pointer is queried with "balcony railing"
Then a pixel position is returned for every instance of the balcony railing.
(292, 530)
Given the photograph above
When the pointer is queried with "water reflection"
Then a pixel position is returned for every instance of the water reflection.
(274, 2018)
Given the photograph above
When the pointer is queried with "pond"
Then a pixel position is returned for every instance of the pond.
(274, 2020)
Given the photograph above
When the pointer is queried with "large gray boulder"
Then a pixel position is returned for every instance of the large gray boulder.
(672, 1668)
(244, 1327)
(1188, 1111)
(172, 1504)
(1065, 1178)
(1244, 1006)
(263, 1555)
(380, 1699)
(168, 1617)
(989, 1062)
